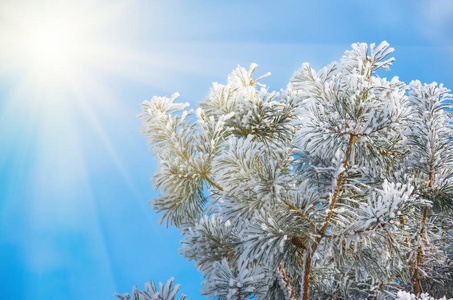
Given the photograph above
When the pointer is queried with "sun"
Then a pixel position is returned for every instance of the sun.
(52, 47)
(54, 42)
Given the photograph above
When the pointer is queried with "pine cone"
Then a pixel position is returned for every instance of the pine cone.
(298, 242)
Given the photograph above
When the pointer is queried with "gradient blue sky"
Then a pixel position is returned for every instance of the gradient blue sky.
(75, 222)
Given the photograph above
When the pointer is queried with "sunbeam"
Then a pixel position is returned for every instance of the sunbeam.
(56, 55)
(57, 126)
(54, 43)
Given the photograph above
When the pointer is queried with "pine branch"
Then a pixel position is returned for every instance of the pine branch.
(416, 278)
(299, 212)
(211, 182)
(312, 178)
(285, 284)
(326, 224)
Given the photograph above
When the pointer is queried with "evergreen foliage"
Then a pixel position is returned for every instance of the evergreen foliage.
(167, 292)
(338, 187)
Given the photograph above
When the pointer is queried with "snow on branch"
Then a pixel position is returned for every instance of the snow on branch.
(339, 186)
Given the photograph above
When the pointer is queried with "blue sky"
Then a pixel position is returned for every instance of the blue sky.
(75, 222)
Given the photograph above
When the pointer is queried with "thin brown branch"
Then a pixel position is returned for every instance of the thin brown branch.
(306, 284)
(299, 212)
(380, 289)
(339, 184)
(288, 287)
(389, 234)
(403, 221)
(211, 182)
(415, 278)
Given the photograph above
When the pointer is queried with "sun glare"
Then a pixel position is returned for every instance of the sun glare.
(52, 47)
(53, 42)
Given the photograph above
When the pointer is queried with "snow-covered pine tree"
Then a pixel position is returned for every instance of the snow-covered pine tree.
(167, 292)
(338, 187)
(430, 160)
